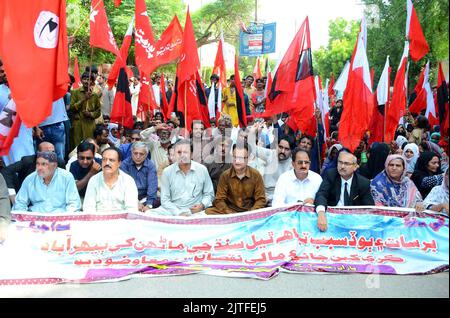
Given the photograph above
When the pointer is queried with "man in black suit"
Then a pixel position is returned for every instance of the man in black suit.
(15, 173)
(342, 187)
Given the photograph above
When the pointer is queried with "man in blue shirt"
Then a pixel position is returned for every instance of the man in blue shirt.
(143, 171)
(85, 167)
(48, 189)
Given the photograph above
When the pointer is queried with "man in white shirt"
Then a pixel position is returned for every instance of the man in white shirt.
(112, 190)
(299, 184)
(186, 186)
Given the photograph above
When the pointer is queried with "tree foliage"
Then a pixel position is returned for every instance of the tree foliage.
(341, 42)
(386, 22)
(209, 21)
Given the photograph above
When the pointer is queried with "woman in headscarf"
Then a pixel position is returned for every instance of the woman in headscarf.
(331, 159)
(375, 164)
(427, 173)
(411, 154)
(393, 188)
(400, 140)
(437, 199)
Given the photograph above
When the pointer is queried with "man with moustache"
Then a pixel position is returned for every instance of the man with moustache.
(342, 187)
(186, 187)
(298, 184)
(112, 190)
(49, 188)
(278, 161)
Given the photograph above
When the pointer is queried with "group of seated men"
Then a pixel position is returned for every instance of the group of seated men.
(222, 181)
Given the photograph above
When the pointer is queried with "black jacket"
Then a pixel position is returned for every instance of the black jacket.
(330, 190)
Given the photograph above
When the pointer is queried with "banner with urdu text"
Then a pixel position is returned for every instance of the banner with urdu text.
(81, 248)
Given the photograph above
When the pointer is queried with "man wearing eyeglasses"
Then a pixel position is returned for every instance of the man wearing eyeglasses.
(342, 187)
(241, 188)
(299, 184)
(85, 167)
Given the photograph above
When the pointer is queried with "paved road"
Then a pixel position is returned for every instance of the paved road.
(285, 285)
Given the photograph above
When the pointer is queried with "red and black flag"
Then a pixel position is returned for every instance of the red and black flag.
(293, 87)
(240, 102)
(442, 103)
(121, 110)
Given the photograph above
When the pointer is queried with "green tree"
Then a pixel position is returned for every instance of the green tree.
(341, 43)
(386, 34)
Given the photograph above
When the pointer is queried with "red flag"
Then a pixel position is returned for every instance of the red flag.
(121, 110)
(117, 2)
(126, 43)
(169, 45)
(397, 106)
(418, 46)
(219, 65)
(189, 100)
(189, 97)
(76, 74)
(442, 103)
(146, 100)
(9, 127)
(257, 71)
(189, 62)
(381, 102)
(358, 99)
(100, 32)
(293, 83)
(240, 102)
(34, 51)
(143, 37)
(331, 92)
(165, 103)
(424, 98)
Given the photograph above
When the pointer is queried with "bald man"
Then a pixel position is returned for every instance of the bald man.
(15, 173)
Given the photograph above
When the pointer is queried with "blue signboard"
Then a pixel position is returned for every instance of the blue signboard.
(260, 39)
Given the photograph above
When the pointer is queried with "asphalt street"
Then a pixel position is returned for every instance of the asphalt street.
(285, 285)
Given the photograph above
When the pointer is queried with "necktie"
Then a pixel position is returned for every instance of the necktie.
(346, 195)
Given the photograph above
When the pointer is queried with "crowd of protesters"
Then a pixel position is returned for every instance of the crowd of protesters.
(77, 160)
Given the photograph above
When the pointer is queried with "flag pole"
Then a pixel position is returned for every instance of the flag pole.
(185, 106)
(90, 71)
(317, 140)
(84, 21)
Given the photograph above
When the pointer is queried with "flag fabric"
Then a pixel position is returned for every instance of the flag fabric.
(146, 98)
(397, 106)
(257, 71)
(292, 88)
(144, 39)
(381, 102)
(9, 127)
(189, 98)
(442, 103)
(341, 82)
(220, 70)
(331, 92)
(424, 98)
(121, 110)
(117, 2)
(101, 35)
(358, 99)
(165, 102)
(76, 74)
(240, 103)
(33, 32)
(189, 62)
(418, 46)
(119, 63)
(168, 47)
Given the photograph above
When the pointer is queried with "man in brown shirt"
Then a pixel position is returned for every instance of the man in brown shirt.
(241, 188)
